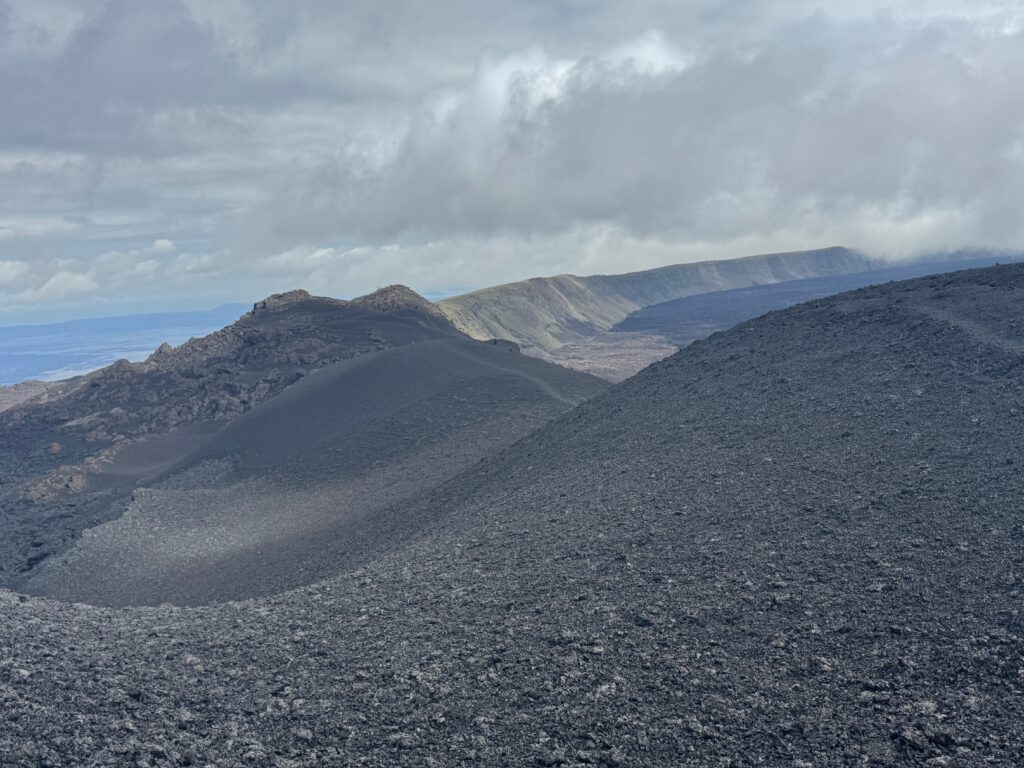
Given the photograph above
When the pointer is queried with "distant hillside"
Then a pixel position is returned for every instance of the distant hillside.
(683, 321)
(545, 313)
(19, 393)
(58, 448)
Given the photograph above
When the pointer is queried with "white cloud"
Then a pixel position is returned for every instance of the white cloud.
(118, 259)
(60, 287)
(185, 268)
(11, 272)
(807, 130)
(649, 55)
(462, 142)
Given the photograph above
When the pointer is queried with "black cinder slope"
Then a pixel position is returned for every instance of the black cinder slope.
(296, 489)
(797, 542)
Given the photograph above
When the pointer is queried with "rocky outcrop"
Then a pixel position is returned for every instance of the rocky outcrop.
(283, 301)
(20, 393)
(398, 298)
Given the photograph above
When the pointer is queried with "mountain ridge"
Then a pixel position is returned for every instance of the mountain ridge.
(542, 314)
(57, 447)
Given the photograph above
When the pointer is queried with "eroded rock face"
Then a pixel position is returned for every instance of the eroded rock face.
(543, 314)
(160, 352)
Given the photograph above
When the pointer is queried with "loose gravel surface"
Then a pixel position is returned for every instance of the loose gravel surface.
(796, 543)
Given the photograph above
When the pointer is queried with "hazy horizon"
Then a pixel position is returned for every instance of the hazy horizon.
(194, 304)
(75, 346)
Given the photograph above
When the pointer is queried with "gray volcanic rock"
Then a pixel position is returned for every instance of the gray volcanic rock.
(61, 350)
(613, 356)
(398, 298)
(655, 331)
(288, 299)
(795, 543)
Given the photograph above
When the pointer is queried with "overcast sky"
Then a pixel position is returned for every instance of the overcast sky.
(183, 153)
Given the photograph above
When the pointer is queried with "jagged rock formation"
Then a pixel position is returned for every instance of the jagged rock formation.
(794, 543)
(285, 300)
(62, 350)
(545, 313)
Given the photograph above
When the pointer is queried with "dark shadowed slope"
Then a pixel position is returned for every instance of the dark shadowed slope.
(798, 542)
(294, 490)
(68, 455)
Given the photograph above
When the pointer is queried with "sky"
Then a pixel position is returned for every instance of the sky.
(179, 154)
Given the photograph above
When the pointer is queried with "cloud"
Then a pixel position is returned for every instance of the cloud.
(11, 272)
(41, 28)
(821, 124)
(187, 151)
(61, 286)
(71, 281)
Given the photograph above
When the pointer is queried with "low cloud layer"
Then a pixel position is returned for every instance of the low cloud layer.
(183, 153)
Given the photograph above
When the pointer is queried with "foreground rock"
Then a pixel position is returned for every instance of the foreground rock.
(795, 543)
